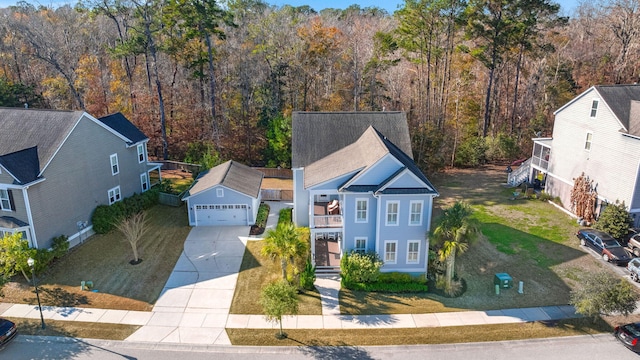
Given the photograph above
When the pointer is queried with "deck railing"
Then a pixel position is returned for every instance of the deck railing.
(327, 221)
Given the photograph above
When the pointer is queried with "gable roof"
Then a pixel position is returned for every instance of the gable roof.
(230, 174)
(356, 158)
(42, 130)
(318, 134)
(23, 165)
(619, 98)
(119, 123)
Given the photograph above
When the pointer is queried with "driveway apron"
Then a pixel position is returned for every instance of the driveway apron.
(194, 305)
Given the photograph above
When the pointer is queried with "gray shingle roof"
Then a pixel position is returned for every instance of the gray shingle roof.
(357, 158)
(619, 98)
(22, 129)
(119, 123)
(23, 164)
(230, 174)
(318, 134)
(363, 153)
(9, 222)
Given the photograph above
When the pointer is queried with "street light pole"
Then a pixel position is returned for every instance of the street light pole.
(31, 264)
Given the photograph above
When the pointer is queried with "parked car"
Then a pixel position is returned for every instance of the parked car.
(634, 268)
(624, 241)
(629, 334)
(605, 245)
(8, 331)
(634, 244)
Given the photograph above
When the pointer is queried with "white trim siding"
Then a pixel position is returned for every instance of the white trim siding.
(114, 195)
(113, 160)
(392, 215)
(362, 213)
(416, 213)
(413, 251)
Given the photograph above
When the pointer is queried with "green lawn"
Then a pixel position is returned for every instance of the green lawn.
(529, 239)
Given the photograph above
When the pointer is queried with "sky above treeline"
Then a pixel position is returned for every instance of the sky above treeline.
(567, 6)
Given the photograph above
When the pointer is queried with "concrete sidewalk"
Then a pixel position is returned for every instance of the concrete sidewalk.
(193, 307)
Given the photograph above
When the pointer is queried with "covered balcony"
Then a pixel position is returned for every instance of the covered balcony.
(327, 212)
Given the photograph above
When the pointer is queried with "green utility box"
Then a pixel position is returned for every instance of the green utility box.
(503, 280)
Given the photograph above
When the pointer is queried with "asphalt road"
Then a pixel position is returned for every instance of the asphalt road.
(602, 346)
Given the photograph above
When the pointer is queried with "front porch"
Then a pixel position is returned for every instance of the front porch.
(327, 251)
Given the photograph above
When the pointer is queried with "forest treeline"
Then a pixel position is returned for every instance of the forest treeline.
(214, 80)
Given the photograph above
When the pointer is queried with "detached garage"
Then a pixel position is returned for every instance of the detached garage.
(228, 194)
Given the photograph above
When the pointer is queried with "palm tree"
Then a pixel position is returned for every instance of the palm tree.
(286, 243)
(454, 232)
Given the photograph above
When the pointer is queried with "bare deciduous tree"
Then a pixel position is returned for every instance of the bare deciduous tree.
(133, 228)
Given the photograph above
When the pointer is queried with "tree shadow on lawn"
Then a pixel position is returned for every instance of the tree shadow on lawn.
(62, 298)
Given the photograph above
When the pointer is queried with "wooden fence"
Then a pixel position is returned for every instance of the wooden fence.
(170, 199)
(276, 195)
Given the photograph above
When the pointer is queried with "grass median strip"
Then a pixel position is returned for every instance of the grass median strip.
(414, 336)
(77, 329)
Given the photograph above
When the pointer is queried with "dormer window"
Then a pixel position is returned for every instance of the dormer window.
(594, 108)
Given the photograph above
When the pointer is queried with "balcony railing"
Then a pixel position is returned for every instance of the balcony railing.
(327, 221)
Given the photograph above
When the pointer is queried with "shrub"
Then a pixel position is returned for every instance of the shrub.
(545, 196)
(308, 276)
(43, 258)
(390, 287)
(60, 246)
(471, 152)
(615, 220)
(263, 215)
(105, 217)
(285, 215)
(360, 268)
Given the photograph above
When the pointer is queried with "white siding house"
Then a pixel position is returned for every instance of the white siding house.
(598, 134)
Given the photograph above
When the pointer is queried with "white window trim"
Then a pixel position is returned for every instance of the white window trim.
(7, 199)
(115, 190)
(141, 152)
(355, 243)
(386, 218)
(111, 162)
(417, 261)
(421, 213)
(219, 192)
(366, 210)
(395, 252)
(595, 102)
(588, 140)
(144, 180)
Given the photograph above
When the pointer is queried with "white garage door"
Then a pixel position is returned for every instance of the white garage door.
(232, 214)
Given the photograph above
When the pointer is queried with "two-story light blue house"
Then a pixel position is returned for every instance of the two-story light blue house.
(357, 188)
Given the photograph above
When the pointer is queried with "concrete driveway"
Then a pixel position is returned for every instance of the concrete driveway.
(194, 305)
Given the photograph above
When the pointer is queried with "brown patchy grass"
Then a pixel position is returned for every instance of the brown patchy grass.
(104, 259)
(78, 329)
(412, 336)
(275, 183)
(258, 271)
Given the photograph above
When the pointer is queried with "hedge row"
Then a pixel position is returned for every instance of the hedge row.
(105, 217)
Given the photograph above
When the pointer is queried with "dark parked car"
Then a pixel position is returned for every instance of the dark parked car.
(8, 331)
(629, 334)
(605, 245)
